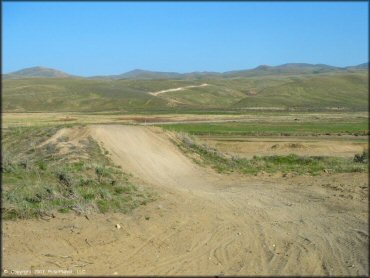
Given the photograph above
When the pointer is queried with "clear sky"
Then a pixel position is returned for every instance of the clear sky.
(96, 38)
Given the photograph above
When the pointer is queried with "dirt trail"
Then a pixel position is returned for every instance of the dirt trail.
(177, 89)
(203, 223)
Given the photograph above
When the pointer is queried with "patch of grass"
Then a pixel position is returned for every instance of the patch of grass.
(38, 180)
(354, 126)
(292, 163)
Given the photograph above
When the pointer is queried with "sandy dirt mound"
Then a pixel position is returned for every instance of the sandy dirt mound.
(68, 139)
(149, 154)
(70, 142)
(203, 222)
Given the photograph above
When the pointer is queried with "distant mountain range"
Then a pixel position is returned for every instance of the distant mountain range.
(263, 70)
(37, 72)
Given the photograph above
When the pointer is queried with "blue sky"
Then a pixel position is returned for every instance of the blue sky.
(93, 38)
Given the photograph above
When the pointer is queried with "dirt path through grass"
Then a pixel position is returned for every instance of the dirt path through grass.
(203, 222)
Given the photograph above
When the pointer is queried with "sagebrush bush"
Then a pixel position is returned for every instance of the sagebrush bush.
(41, 180)
(362, 158)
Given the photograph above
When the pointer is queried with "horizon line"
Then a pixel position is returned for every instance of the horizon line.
(188, 72)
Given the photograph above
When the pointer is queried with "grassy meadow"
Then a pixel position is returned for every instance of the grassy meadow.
(357, 126)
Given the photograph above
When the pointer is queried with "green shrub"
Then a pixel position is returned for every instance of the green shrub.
(64, 178)
(362, 158)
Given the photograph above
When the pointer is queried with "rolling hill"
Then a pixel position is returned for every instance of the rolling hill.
(285, 69)
(364, 66)
(344, 89)
(140, 74)
(338, 91)
(37, 72)
(263, 70)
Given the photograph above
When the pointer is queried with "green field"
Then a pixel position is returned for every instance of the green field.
(355, 127)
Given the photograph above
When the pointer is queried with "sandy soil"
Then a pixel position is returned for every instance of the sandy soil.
(203, 222)
(302, 145)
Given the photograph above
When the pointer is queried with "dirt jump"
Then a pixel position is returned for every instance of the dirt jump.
(202, 223)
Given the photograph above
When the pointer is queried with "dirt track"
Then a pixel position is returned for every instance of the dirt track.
(203, 222)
